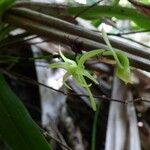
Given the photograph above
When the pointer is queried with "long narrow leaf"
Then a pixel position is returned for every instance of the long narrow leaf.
(16, 126)
(111, 11)
(5, 4)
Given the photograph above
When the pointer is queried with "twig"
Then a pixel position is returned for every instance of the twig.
(23, 78)
(47, 135)
(58, 30)
(86, 9)
(135, 41)
(17, 39)
(121, 36)
(126, 33)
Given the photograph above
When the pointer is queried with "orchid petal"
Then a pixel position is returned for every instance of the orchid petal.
(123, 73)
(59, 65)
(79, 81)
(87, 74)
(66, 59)
(88, 55)
(65, 77)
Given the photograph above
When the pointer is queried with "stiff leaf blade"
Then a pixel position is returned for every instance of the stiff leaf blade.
(16, 126)
(5, 4)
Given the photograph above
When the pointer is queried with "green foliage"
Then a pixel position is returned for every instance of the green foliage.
(112, 11)
(4, 29)
(115, 2)
(16, 126)
(96, 22)
(144, 1)
(5, 4)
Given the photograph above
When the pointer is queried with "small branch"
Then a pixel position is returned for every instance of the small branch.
(135, 41)
(86, 9)
(17, 39)
(127, 33)
(70, 29)
(89, 41)
(16, 76)
(47, 135)
(59, 30)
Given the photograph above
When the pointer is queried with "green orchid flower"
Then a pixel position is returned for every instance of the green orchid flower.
(78, 72)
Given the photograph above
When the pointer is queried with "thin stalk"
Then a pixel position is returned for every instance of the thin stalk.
(93, 141)
(86, 9)
(127, 33)
(134, 41)
(10, 40)
(20, 77)
(92, 100)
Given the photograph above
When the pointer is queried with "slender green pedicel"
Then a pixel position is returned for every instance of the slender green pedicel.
(122, 61)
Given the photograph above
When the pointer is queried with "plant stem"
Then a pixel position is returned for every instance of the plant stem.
(93, 141)
(92, 100)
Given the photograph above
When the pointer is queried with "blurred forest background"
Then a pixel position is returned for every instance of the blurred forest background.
(31, 34)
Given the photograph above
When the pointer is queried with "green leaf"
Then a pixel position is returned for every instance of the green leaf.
(111, 11)
(96, 22)
(5, 4)
(16, 126)
(115, 2)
